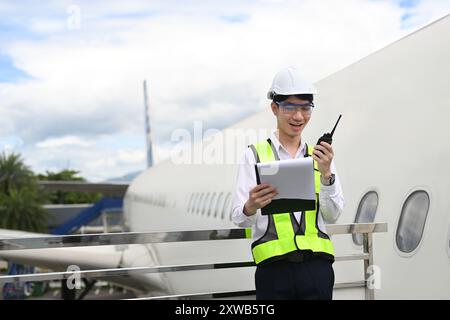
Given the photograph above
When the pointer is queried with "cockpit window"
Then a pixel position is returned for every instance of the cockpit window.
(366, 212)
(412, 221)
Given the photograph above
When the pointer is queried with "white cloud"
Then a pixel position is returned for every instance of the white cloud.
(64, 141)
(10, 143)
(198, 66)
(130, 156)
(94, 163)
(430, 10)
(47, 25)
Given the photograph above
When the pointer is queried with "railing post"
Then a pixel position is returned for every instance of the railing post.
(105, 221)
(368, 248)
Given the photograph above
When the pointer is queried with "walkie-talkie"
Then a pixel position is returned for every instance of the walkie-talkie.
(328, 137)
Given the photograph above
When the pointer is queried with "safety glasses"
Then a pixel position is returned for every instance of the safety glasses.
(292, 108)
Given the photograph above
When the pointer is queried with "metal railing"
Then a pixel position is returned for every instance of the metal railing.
(366, 229)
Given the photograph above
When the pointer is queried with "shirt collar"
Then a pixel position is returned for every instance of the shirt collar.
(278, 146)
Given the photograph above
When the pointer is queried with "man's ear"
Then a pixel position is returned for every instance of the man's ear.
(274, 108)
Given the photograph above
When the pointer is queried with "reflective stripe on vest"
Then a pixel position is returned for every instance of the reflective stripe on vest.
(280, 237)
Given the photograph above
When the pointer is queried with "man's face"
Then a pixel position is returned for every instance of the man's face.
(291, 123)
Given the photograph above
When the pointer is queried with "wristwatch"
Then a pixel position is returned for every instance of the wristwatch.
(329, 181)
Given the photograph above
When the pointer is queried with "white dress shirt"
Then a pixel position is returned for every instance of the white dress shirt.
(331, 198)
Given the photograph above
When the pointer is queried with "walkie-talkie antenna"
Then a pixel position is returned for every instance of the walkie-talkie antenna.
(336, 124)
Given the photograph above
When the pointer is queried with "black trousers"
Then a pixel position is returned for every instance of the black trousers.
(309, 280)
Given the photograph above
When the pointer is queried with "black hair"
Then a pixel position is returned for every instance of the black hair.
(279, 97)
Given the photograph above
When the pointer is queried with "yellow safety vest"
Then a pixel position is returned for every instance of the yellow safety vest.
(284, 234)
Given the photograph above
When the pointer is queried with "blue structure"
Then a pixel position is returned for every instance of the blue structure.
(17, 290)
(88, 215)
(22, 290)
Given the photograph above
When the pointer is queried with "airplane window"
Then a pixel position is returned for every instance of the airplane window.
(190, 203)
(194, 203)
(226, 205)
(412, 221)
(205, 204)
(367, 209)
(199, 203)
(211, 204)
(218, 204)
(195, 206)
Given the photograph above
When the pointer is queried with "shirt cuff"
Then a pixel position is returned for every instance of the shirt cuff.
(242, 220)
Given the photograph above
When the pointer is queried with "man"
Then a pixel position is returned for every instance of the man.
(293, 253)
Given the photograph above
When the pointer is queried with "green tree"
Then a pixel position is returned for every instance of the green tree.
(20, 198)
(22, 210)
(13, 173)
(68, 197)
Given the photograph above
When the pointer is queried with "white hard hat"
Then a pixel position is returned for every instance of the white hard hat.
(289, 81)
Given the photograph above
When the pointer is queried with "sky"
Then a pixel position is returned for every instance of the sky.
(71, 72)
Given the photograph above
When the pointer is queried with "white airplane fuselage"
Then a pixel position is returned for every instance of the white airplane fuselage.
(392, 140)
